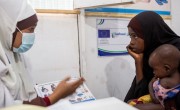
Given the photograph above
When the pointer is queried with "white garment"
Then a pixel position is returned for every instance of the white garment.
(4, 92)
(14, 79)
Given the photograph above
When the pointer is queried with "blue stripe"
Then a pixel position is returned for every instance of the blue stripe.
(102, 53)
(83, 101)
(122, 10)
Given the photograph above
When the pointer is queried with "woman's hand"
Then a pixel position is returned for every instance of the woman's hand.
(138, 62)
(64, 89)
(137, 57)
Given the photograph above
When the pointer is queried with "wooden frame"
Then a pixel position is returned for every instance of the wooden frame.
(57, 11)
(93, 14)
(117, 15)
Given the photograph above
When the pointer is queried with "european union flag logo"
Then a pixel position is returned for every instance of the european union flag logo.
(103, 33)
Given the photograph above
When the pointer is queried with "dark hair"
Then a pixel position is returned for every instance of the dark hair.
(179, 67)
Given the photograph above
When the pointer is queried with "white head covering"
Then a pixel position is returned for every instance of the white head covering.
(16, 80)
(5, 96)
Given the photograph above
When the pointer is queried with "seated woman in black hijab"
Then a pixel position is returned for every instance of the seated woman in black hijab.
(147, 31)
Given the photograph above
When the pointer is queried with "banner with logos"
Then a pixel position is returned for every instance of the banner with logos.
(112, 36)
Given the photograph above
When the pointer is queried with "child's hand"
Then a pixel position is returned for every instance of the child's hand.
(151, 91)
(64, 89)
(154, 99)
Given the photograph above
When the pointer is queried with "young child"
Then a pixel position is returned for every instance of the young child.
(164, 87)
(165, 62)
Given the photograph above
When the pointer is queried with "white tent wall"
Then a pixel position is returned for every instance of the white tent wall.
(175, 11)
(105, 76)
(55, 52)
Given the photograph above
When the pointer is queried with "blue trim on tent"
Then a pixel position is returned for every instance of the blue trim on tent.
(122, 10)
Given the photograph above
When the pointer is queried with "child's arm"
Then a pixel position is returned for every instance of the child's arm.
(151, 91)
(149, 106)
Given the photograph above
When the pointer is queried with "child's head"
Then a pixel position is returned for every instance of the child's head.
(165, 60)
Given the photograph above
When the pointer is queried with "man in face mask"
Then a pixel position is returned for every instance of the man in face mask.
(18, 21)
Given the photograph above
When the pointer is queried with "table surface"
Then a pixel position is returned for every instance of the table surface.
(110, 103)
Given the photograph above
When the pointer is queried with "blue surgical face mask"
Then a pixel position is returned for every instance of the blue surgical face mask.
(27, 42)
